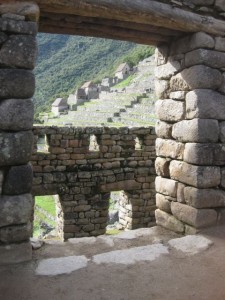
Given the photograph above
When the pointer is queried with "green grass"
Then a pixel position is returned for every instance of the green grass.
(125, 82)
(47, 203)
(113, 231)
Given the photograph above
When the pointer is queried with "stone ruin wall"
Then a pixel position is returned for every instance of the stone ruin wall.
(84, 178)
(18, 52)
(191, 133)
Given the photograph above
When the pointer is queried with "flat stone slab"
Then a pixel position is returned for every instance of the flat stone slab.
(132, 255)
(84, 240)
(191, 244)
(61, 265)
(133, 234)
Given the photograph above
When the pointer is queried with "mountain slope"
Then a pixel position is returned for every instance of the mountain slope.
(65, 62)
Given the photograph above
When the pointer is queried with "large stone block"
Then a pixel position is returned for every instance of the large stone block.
(197, 176)
(18, 26)
(166, 186)
(204, 154)
(196, 77)
(205, 104)
(222, 132)
(162, 88)
(163, 129)
(220, 44)
(223, 177)
(169, 148)
(170, 110)
(18, 180)
(196, 130)
(15, 234)
(19, 51)
(197, 218)
(15, 253)
(15, 83)
(210, 58)
(16, 115)
(15, 210)
(204, 198)
(220, 4)
(162, 203)
(168, 221)
(162, 167)
(167, 70)
(16, 148)
(191, 42)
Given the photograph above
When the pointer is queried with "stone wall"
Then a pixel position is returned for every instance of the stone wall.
(17, 59)
(191, 131)
(83, 176)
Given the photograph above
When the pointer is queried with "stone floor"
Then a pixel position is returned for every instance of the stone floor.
(142, 264)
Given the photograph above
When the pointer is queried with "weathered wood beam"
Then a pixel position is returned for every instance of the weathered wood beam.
(138, 11)
(106, 30)
(98, 33)
(65, 18)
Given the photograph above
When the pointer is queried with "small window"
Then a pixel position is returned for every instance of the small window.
(42, 144)
(93, 146)
(138, 143)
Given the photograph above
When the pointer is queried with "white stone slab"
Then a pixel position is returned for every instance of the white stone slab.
(191, 244)
(61, 265)
(132, 255)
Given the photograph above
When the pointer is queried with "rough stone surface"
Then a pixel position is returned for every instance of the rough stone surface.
(169, 148)
(161, 89)
(8, 24)
(179, 95)
(162, 203)
(162, 167)
(196, 130)
(163, 129)
(191, 244)
(197, 176)
(16, 115)
(191, 42)
(170, 110)
(204, 198)
(18, 180)
(205, 104)
(19, 51)
(220, 44)
(223, 177)
(180, 193)
(15, 234)
(168, 221)
(204, 154)
(210, 58)
(197, 218)
(15, 209)
(16, 83)
(196, 77)
(220, 4)
(16, 148)
(222, 132)
(166, 186)
(167, 70)
(15, 253)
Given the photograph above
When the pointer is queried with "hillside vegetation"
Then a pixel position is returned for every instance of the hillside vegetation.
(65, 62)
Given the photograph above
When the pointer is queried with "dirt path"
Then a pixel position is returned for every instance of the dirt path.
(173, 275)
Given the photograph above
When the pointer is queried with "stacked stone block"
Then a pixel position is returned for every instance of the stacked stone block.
(190, 146)
(84, 178)
(18, 52)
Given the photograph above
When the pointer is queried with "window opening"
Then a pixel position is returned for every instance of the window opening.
(93, 146)
(42, 144)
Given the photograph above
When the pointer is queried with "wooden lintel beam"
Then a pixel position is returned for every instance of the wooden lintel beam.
(107, 30)
(65, 18)
(97, 33)
(138, 11)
